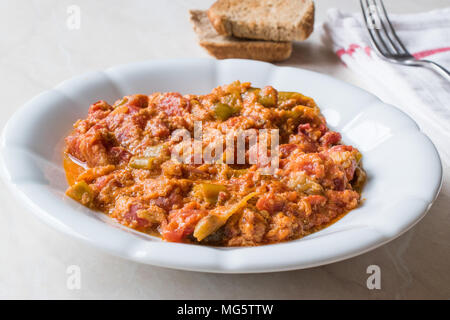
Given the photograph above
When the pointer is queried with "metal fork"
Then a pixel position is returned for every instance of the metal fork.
(386, 42)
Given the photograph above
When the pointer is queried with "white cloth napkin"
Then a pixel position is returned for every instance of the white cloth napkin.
(421, 93)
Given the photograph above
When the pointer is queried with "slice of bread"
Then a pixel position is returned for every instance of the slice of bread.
(276, 20)
(223, 47)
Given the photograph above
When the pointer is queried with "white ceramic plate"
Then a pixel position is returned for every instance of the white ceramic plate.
(403, 167)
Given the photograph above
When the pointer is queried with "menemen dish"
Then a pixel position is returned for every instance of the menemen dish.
(143, 162)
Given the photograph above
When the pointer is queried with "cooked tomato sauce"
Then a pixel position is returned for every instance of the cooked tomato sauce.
(118, 160)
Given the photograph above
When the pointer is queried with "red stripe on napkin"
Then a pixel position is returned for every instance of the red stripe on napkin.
(426, 53)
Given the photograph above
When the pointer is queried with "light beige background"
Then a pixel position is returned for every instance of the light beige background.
(37, 51)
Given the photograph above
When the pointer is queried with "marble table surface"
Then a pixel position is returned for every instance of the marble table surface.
(39, 49)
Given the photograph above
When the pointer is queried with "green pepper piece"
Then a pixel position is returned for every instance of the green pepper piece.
(296, 112)
(218, 217)
(82, 193)
(209, 191)
(208, 225)
(146, 163)
(232, 99)
(267, 101)
(222, 111)
(286, 95)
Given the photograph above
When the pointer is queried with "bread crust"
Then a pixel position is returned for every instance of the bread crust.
(306, 25)
(221, 16)
(224, 47)
(255, 51)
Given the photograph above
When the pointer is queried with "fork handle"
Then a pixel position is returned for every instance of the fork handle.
(434, 66)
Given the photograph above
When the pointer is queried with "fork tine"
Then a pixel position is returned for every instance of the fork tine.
(384, 33)
(388, 26)
(380, 29)
(374, 34)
